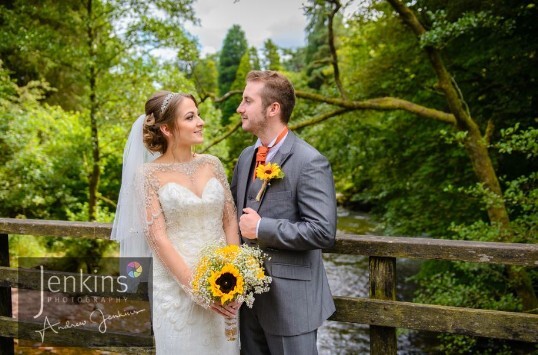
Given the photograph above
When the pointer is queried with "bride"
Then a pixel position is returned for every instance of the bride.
(176, 203)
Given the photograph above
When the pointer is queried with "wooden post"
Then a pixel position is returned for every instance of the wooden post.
(7, 345)
(383, 287)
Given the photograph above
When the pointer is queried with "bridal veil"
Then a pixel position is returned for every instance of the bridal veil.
(130, 221)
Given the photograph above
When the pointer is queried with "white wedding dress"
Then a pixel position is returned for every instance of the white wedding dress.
(190, 221)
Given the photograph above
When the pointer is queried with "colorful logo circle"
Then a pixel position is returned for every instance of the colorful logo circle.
(134, 269)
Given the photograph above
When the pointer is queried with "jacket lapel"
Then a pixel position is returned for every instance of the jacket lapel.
(285, 151)
(243, 176)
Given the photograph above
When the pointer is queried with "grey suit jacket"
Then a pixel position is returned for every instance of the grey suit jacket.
(298, 220)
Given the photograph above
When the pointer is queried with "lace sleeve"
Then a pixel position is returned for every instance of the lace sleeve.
(156, 235)
(229, 215)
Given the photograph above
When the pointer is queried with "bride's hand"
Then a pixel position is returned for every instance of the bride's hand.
(229, 310)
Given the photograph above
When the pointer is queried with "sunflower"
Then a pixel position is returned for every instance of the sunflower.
(226, 283)
(269, 171)
(266, 173)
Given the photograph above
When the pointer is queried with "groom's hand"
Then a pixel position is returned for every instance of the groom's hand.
(248, 223)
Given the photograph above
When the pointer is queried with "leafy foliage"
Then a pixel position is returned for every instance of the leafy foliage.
(204, 75)
(443, 30)
(413, 174)
(43, 165)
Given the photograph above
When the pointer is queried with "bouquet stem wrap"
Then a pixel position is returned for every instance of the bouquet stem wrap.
(231, 330)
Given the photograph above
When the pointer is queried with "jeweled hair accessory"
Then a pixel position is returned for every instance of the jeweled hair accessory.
(166, 101)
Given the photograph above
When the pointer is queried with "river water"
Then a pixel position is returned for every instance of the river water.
(348, 276)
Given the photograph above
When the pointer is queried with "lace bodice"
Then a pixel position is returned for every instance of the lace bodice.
(191, 220)
(187, 205)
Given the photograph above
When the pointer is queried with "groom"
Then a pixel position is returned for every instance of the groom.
(293, 220)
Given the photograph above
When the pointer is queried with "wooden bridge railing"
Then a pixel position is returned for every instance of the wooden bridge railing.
(381, 310)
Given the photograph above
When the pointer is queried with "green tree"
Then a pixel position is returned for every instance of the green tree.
(42, 171)
(271, 56)
(293, 60)
(88, 43)
(41, 41)
(205, 76)
(475, 142)
(254, 58)
(319, 28)
(233, 48)
(241, 139)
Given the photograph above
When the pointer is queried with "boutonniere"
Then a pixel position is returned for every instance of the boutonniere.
(266, 173)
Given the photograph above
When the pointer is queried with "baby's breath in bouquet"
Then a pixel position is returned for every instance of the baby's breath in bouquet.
(229, 273)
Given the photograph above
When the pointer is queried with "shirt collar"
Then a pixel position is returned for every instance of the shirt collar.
(275, 147)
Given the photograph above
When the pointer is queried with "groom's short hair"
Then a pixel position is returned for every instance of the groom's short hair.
(277, 88)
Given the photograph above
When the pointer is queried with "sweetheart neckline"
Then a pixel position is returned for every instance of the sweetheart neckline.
(186, 188)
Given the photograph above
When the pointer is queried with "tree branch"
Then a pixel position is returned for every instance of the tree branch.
(381, 104)
(489, 131)
(332, 47)
(107, 200)
(319, 118)
(446, 82)
(219, 139)
(222, 98)
(408, 17)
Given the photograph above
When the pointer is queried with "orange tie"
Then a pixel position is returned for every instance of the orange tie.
(262, 152)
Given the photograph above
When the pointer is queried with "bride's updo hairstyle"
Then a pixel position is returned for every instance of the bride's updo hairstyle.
(161, 110)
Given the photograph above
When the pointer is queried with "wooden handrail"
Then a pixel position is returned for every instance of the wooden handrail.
(435, 318)
(439, 249)
(54, 228)
(369, 245)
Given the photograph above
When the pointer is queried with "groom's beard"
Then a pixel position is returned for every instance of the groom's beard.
(259, 126)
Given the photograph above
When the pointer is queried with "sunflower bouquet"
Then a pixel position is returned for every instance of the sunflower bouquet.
(225, 274)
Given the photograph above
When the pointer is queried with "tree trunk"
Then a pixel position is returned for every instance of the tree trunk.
(92, 77)
(96, 171)
(483, 167)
